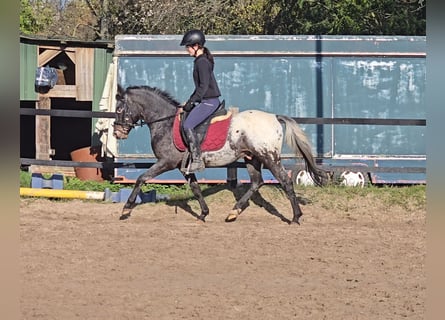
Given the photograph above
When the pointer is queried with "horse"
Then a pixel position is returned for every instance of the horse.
(254, 135)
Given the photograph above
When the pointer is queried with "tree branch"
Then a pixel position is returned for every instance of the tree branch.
(90, 5)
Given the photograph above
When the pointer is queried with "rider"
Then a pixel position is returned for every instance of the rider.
(205, 98)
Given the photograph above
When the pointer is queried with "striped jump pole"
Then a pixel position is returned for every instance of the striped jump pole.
(68, 194)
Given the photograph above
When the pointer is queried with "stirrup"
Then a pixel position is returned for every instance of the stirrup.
(196, 165)
(185, 162)
(189, 166)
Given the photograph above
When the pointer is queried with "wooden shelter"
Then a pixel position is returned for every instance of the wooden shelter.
(81, 68)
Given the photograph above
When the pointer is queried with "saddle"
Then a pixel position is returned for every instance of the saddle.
(211, 133)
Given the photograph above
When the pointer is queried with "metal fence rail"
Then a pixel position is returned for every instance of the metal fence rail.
(152, 159)
(146, 165)
(305, 120)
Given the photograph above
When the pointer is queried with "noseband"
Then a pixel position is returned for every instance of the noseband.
(127, 123)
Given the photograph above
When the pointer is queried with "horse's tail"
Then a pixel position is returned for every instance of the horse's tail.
(297, 140)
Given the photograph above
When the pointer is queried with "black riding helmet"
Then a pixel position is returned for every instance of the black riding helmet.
(193, 37)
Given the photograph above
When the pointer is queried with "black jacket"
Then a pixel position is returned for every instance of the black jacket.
(205, 83)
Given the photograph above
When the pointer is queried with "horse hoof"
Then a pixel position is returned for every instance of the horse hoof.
(232, 216)
(125, 214)
(200, 221)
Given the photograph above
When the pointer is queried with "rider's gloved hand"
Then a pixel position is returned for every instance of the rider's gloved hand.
(188, 106)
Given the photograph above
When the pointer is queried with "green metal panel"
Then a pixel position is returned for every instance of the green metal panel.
(102, 60)
(28, 66)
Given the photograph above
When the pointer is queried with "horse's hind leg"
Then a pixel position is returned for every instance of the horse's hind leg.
(286, 182)
(254, 169)
(194, 186)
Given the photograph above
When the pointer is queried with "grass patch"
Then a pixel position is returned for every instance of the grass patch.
(175, 191)
(332, 196)
(345, 198)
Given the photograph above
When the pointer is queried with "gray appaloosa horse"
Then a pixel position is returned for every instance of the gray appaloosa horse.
(254, 135)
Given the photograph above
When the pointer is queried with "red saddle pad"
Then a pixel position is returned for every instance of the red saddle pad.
(216, 134)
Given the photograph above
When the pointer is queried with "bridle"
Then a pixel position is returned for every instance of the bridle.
(127, 122)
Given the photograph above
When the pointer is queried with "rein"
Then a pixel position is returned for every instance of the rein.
(142, 122)
(158, 120)
(128, 115)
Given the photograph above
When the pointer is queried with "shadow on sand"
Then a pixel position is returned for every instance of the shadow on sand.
(237, 192)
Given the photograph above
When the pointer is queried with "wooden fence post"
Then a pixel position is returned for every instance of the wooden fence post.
(43, 130)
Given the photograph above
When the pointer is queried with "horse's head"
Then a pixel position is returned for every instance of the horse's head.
(141, 103)
(125, 119)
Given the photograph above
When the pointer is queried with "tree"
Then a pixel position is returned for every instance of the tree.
(35, 16)
(103, 19)
(168, 16)
(252, 16)
(366, 17)
(74, 21)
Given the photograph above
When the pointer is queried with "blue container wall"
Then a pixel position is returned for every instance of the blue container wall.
(298, 76)
(301, 87)
(379, 88)
(277, 85)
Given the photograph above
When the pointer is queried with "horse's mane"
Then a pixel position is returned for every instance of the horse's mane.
(165, 95)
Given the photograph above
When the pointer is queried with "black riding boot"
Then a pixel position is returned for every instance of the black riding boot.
(195, 149)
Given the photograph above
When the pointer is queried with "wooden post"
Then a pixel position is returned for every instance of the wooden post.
(43, 129)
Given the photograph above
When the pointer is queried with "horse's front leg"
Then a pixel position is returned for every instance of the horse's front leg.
(131, 202)
(155, 170)
(194, 186)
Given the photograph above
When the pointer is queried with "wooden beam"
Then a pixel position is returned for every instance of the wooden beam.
(47, 55)
(71, 55)
(63, 91)
(43, 130)
(84, 74)
(61, 48)
(51, 52)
